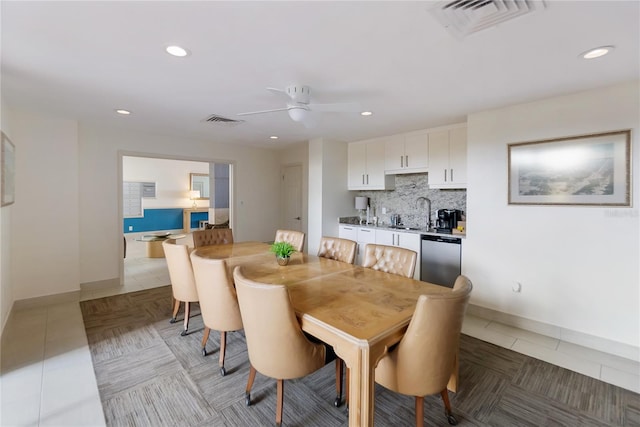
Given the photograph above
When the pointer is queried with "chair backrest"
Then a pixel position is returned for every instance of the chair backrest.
(277, 347)
(339, 249)
(425, 357)
(183, 282)
(390, 259)
(296, 238)
(213, 236)
(218, 299)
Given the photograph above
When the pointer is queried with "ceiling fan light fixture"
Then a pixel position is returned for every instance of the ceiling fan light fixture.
(298, 114)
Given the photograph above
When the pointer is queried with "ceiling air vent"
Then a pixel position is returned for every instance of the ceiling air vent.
(463, 17)
(214, 118)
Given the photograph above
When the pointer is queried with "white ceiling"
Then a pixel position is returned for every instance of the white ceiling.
(82, 60)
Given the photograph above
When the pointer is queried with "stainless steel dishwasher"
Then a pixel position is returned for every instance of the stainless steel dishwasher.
(440, 259)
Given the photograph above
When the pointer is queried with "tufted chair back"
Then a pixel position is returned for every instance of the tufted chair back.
(339, 249)
(426, 356)
(183, 282)
(213, 236)
(296, 238)
(390, 259)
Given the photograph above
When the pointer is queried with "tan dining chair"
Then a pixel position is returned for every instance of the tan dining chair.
(426, 356)
(218, 301)
(296, 238)
(343, 250)
(183, 284)
(390, 259)
(276, 344)
(212, 236)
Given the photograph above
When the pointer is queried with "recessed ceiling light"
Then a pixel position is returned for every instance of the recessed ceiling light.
(273, 137)
(596, 52)
(366, 113)
(177, 51)
(123, 112)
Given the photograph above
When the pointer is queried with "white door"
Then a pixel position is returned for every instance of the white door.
(292, 197)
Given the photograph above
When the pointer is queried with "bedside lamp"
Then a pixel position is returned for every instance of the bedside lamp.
(362, 204)
(194, 195)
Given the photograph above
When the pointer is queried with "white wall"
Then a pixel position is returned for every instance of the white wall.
(6, 292)
(328, 195)
(578, 265)
(255, 183)
(44, 221)
(171, 178)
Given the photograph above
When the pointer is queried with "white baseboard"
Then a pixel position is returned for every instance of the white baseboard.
(46, 300)
(100, 284)
(579, 338)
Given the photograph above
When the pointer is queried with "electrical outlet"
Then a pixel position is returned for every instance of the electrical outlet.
(131, 228)
(516, 287)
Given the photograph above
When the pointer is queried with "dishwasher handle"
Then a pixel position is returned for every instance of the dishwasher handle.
(442, 239)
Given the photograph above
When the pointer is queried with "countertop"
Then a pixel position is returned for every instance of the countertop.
(414, 230)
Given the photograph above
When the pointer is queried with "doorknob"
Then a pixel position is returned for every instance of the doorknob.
(298, 218)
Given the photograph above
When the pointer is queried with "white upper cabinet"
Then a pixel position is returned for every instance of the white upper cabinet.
(448, 158)
(407, 153)
(366, 166)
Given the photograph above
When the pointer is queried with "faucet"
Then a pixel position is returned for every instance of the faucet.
(425, 199)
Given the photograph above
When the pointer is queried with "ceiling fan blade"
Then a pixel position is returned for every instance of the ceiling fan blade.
(263, 111)
(350, 107)
(279, 92)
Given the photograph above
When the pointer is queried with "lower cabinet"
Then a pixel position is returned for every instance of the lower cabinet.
(410, 241)
(364, 235)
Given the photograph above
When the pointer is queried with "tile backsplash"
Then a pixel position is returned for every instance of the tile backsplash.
(405, 200)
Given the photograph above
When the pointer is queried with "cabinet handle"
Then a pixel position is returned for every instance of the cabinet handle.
(451, 174)
(365, 231)
(367, 179)
(445, 175)
(393, 239)
(348, 228)
(401, 162)
(406, 161)
(362, 179)
(398, 240)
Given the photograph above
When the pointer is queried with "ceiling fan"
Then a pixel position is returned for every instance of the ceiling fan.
(300, 108)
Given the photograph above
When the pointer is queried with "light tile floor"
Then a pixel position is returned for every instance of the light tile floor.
(47, 376)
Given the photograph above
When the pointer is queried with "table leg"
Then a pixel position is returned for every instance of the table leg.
(362, 365)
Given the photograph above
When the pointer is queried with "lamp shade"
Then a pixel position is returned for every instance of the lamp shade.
(362, 202)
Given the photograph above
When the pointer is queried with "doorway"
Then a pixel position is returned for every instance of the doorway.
(292, 197)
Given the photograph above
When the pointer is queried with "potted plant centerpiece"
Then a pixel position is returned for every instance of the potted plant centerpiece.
(283, 251)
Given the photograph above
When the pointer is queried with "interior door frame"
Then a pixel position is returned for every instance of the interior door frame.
(125, 153)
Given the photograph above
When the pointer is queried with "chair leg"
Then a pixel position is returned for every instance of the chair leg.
(223, 349)
(176, 308)
(347, 381)
(280, 400)
(339, 368)
(247, 392)
(187, 312)
(447, 407)
(419, 411)
(205, 338)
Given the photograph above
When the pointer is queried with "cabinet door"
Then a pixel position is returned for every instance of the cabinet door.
(438, 157)
(385, 237)
(375, 178)
(413, 242)
(458, 157)
(348, 232)
(416, 151)
(357, 161)
(394, 155)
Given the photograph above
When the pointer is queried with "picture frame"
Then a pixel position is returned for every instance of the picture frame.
(8, 171)
(581, 170)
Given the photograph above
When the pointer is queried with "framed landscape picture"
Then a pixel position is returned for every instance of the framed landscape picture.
(591, 170)
(7, 162)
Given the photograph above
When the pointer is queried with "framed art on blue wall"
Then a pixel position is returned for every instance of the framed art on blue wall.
(8, 165)
(587, 170)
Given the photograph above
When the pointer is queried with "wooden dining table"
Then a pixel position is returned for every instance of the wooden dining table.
(359, 311)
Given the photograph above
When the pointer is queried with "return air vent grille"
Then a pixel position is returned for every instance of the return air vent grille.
(214, 118)
(463, 17)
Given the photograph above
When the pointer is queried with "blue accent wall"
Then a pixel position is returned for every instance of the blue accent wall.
(162, 219)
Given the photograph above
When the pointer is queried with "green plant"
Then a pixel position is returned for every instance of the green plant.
(282, 249)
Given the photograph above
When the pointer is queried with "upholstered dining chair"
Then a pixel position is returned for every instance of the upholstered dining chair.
(296, 238)
(212, 236)
(343, 250)
(276, 344)
(390, 259)
(183, 283)
(422, 362)
(218, 301)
